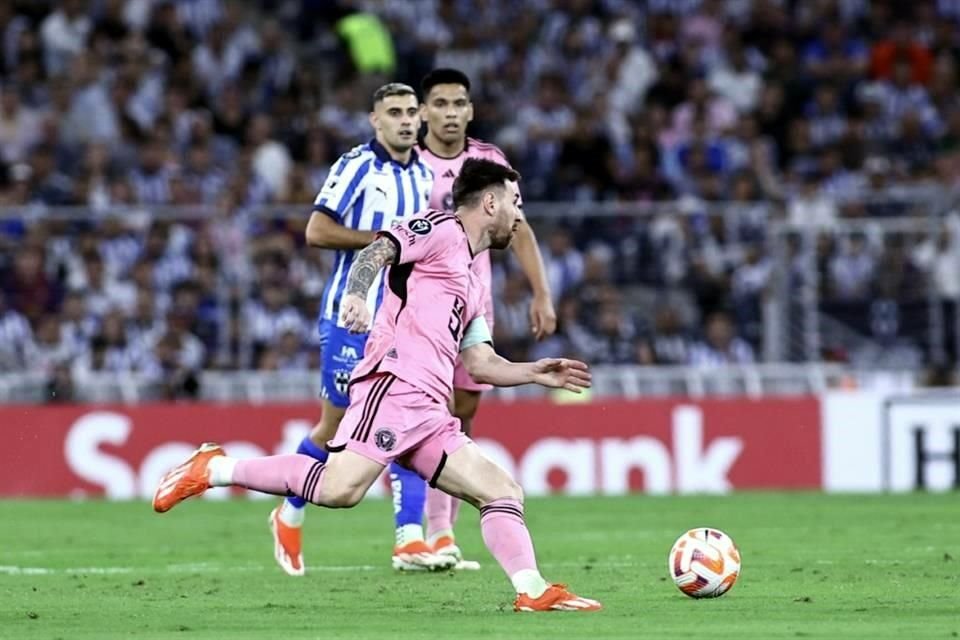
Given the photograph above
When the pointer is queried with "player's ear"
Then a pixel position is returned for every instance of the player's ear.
(374, 121)
(489, 201)
(469, 112)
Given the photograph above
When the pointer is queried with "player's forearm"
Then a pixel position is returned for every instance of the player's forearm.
(498, 371)
(367, 264)
(528, 254)
(326, 233)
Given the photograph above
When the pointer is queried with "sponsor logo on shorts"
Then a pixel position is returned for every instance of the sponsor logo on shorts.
(385, 439)
(420, 226)
(341, 378)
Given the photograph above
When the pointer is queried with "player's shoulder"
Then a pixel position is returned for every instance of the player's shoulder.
(429, 222)
(358, 154)
(487, 150)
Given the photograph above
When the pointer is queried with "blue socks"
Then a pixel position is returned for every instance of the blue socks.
(409, 495)
(308, 448)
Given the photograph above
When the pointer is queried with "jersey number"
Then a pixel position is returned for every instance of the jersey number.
(456, 318)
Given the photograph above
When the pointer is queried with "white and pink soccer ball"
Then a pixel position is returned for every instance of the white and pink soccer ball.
(704, 563)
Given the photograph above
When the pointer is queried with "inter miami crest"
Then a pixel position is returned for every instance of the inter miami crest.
(420, 226)
(385, 439)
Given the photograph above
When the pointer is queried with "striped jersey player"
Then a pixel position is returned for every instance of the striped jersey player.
(369, 188)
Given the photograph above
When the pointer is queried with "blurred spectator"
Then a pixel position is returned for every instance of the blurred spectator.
(19, 125)
(511, 331)
(270, 317)
(65, 34)
(721, 345)
(16, 338)
(27, 287)
(810, 207)
(852, 270)
(668, 342)
(563, 262)
(900, 47)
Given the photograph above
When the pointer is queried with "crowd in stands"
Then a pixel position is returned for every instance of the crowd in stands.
(808, 114)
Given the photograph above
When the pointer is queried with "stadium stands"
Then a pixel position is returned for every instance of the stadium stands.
(713, 182)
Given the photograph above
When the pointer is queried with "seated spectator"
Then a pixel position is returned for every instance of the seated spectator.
(16, 338)
(511, 331)
(668, 343)
(721, 345)
(563, 262)
(852, 270)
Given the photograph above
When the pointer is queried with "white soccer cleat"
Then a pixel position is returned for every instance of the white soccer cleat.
(445, 546)
(418, 556)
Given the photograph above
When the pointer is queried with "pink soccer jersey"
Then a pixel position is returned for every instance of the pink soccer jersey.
(431, 298)
(445, 171)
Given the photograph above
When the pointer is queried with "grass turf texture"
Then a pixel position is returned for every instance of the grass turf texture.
(814, 566)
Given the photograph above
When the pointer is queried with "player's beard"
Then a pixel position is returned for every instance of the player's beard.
(501, 238)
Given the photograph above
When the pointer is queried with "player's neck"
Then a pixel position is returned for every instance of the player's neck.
(401, 157)
(478, 236)
(443, 149)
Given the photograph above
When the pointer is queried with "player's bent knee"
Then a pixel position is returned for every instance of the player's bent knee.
(342, 497)
(503, 488)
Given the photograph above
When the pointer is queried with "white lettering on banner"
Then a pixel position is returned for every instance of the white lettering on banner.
(589, 465)
(644, 453)
(698, 469)
(81, 448)
(922, 442)
(576, 457)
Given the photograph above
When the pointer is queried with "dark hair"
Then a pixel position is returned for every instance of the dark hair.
(477, 175)
(393, 89)
(443, 76)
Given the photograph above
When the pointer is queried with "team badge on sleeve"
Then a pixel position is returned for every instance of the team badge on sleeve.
(420, 226)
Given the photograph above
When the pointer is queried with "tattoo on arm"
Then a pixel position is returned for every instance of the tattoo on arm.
(367, 265)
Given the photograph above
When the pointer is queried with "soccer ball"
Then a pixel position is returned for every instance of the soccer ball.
(704, 563)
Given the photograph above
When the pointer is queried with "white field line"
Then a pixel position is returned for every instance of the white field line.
(209, 567)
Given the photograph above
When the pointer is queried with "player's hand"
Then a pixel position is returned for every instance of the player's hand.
(561, 373)
(354, 315)
(543, 318)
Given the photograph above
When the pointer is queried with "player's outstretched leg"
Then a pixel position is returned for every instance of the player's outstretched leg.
(341, 482)
(468, 473)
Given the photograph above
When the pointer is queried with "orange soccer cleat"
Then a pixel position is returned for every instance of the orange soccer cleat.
(555, 598)
(287, 545)
(188, 479)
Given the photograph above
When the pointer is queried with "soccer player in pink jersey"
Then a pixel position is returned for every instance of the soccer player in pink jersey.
(433, 311)
(447, 110)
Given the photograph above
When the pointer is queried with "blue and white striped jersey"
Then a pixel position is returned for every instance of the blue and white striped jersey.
(367, 190)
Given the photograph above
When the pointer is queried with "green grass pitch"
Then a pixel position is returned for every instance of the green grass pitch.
(814, 566)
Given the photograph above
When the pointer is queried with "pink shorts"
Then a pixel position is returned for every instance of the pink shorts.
(390, 420)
